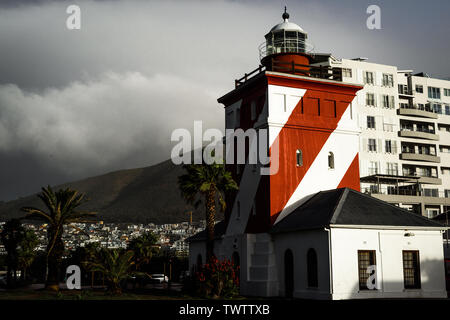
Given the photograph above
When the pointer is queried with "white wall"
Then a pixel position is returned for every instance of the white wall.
(300, 243)
(388, 245)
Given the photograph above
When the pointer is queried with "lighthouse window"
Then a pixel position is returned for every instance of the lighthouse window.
(330, 160)
(299, 155)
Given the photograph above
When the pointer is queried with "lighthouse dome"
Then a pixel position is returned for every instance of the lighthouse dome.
(287, 26)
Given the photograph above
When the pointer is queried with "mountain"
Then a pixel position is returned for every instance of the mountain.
(141, 195)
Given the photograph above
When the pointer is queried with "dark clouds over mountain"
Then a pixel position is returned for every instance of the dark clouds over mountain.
(107, 97)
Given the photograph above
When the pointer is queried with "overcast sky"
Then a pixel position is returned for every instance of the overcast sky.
(77, 103)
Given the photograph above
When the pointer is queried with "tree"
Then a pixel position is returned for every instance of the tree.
(143, 247)
(209, 182)
(115, 265)
(26, 252)
(62, 208)
(12, 234)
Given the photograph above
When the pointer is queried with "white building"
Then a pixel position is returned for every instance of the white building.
(323, 249)
(405, 134)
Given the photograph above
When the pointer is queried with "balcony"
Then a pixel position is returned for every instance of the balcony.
(408, 133)
(419, 157)
(430, 180)
(416, 111)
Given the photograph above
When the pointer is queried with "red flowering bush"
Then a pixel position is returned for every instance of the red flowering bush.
(218, 279)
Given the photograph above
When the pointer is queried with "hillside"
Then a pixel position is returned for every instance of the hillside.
(140, 195)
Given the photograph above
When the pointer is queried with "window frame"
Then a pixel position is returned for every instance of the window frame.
(363, 276)
(416, 269)
(371, 122)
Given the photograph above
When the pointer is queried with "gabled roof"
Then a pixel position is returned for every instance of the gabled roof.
(350, 208)
(219, 231)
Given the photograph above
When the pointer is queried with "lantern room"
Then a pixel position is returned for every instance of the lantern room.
(285, 38)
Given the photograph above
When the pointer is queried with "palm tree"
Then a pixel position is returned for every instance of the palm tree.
(26, 252)
(209, 182)
(11, 236)
(62, 208)
(89, 255)
(115, 265)
(143, 247)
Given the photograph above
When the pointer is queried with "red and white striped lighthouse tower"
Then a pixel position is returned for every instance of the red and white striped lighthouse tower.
(313, 133)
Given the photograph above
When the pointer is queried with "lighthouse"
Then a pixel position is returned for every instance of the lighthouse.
(311, 123)
(302, 229)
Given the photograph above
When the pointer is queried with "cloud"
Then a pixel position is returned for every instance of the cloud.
(113, 121)
(106, 97)
(103, 121)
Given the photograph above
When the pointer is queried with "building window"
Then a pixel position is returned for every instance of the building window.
(372, 145)
(299, 156)
(419, 88)
(366, 258)
(373, 169)
(431, 192)
(388, 101)
(392, 169)
(388, 146)
(434, 93)
(437, 108)
(388, 80)
(447, 92)
(346, 72)
(312, 268)
(368, 77)
(370, 122)
(370, 99)
(411, 269)
(330, 160)
(447, 110)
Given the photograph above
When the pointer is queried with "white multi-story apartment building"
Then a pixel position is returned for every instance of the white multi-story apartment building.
(404, 118)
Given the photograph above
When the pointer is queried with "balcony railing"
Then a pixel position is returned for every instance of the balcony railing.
(405, 192)
(287, 45)
(321, 72)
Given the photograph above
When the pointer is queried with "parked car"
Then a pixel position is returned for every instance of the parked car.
(159, 278)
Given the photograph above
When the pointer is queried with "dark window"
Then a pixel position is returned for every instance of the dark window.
(235, 259)
(330, 160)
(288, 273)
(312, 268)
(366, 258)
(388, 146)
(299, 156)
(370, 122)
(411, 269)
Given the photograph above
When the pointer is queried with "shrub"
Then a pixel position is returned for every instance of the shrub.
(218, 279)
